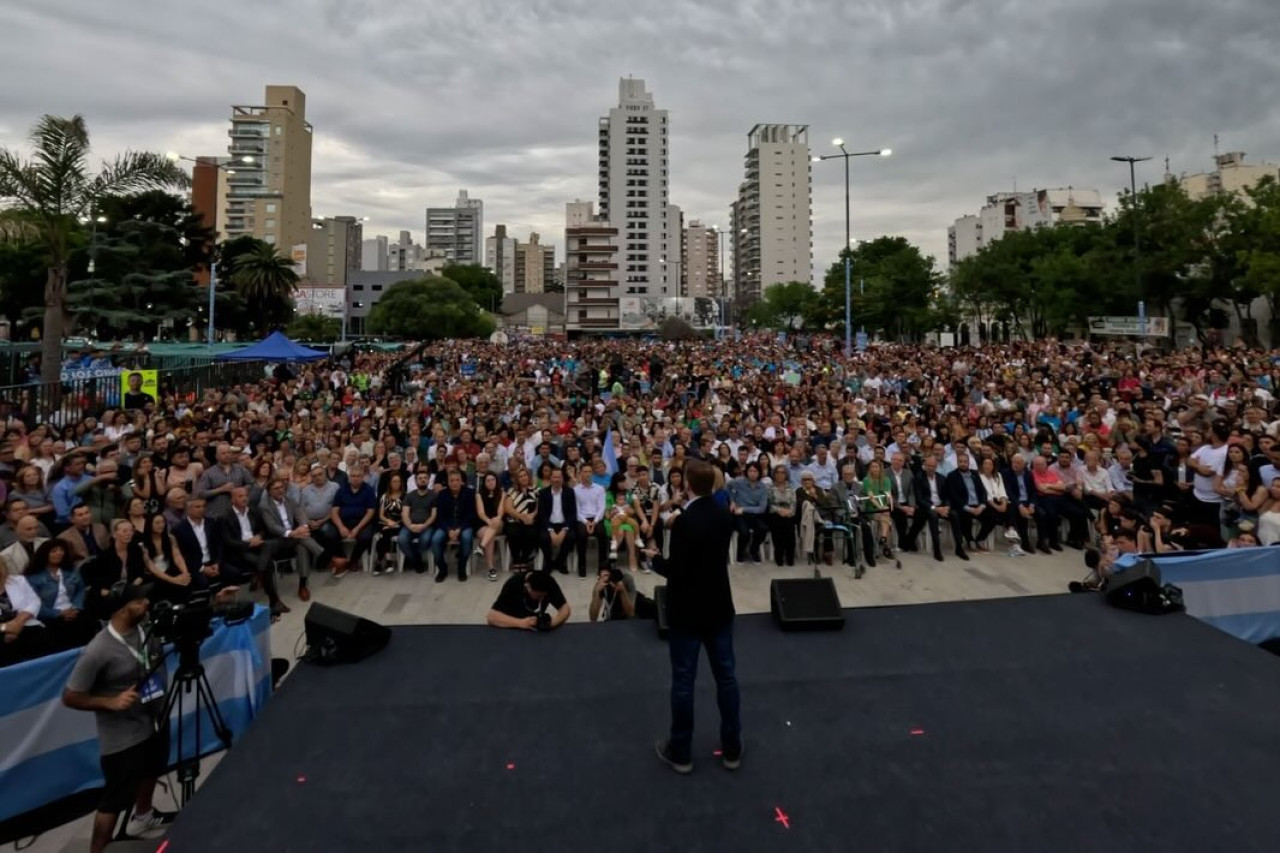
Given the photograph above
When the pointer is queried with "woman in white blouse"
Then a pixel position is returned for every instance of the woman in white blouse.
(997, 497)
(22, 636)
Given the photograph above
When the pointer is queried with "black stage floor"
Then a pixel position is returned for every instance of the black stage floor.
(1028, 724)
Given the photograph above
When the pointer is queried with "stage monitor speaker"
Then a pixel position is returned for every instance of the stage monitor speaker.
(335, 636)
(806, 604)
(660, 600)
(1139, 588)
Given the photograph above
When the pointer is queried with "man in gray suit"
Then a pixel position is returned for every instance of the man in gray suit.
(288, 533)
(904, 496)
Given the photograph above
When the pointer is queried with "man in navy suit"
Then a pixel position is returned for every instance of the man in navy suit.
(700, 609)
(1021, 490)
(557, 518)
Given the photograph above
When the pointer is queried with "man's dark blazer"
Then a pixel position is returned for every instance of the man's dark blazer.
(1011, 486)
(235, 550)
(190, 546)
(924, 496)
(568, 507)
(958, 495)
(699, 597)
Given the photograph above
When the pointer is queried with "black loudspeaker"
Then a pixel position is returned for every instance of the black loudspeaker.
(660, 600)
(335, 636)
(806, 604)
(1138, 588)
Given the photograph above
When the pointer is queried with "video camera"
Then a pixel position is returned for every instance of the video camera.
(190, 623)
(544, 622)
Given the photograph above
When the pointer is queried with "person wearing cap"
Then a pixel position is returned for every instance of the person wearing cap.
(121, 678)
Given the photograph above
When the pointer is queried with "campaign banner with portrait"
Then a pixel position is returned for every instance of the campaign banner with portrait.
(139, 388)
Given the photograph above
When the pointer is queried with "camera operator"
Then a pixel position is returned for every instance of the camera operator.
(523, 602)
(111, 679)
(614, 596)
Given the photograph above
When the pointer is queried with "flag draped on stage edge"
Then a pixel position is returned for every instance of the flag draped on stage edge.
(610, 454)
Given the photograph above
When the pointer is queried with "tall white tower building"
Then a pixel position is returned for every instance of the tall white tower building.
(634, 192)
(773, 216)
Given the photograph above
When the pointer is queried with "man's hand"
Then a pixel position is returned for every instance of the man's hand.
(591, 527)
(455, 534)
(255, 541)
(601, 583)
(529, 623)
(303, 532)
(125, 700)
(943, 511)
(182, 580)
(210, 571)
(69, 615)
(344, 532)
(908, 510)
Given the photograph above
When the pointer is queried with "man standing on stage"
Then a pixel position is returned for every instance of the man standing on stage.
(700, 609)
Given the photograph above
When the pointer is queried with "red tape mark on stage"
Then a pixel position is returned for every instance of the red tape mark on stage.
(781, 818)
(915, 732)
(163, 847)
(301, 779)
(511, 765)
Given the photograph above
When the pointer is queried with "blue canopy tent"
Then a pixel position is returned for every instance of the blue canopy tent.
(275, 347)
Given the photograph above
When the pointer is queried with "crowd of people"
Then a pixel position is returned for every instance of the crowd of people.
(469, 456)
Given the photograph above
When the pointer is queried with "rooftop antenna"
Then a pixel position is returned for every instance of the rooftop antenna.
(1215, 145)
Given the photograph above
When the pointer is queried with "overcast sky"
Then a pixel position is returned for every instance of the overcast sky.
(413, 101)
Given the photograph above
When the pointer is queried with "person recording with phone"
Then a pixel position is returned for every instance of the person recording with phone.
(523, 601)
(614, 595)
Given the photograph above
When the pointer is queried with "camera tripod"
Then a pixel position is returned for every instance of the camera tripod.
(190, 677)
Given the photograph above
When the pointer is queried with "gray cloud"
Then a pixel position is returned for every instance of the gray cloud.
(413, 101)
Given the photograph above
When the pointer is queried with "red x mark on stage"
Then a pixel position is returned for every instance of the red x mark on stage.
(781, 817)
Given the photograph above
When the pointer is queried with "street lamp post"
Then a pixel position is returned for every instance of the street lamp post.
(225, 166)
(94, 219)
(1137, 251)
(846, 155)
(721, 234)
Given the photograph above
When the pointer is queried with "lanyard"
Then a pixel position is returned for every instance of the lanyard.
(143, 656)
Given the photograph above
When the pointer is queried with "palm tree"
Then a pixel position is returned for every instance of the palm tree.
(266, 280)
(44, 199)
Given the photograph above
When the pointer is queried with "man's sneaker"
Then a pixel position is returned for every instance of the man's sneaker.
(493, 574)
(732, 760)
(1010, 534)
(663, 750)
(149, 825)
(478, 551)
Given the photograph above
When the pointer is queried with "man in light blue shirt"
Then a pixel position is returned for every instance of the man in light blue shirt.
(824, 469)
(64, 495)
(748, 501)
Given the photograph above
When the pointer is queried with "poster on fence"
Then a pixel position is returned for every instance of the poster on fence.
(139, 387)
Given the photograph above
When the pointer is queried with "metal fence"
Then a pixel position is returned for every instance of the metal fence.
(67, 403)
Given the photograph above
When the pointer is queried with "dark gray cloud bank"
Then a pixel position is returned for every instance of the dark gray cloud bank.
(411, 101)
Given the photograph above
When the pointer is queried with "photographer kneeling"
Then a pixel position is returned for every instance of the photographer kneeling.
(114, 679)
(523, 602)
(614, 596)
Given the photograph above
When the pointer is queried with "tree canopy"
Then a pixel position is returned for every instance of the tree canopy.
(481, 283)
(429, 308)
(45, 198)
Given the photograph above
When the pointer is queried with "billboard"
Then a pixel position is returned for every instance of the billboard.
(646, 313)
(299, 257)
(324, 300)
(1156, 326)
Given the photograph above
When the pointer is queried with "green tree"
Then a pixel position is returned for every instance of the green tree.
(45, 197)
(1255, 229)
(22, 274)
(143, 256)
(484, 286)
(427, 309)
(266, 281)
(791, 305)
(314, 327)
(895, 287)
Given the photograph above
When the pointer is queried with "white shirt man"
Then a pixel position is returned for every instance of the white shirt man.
(590, 500)
(198, 528)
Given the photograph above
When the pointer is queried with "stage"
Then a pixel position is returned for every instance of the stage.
(1049, 723)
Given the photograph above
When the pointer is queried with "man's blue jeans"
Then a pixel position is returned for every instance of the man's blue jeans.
(440, 537)
(414, 546)
(684, 647)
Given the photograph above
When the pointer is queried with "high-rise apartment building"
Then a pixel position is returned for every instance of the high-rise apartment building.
(334, 248)
(773, 216)
(535, 266)
(634, 191)
(500, 257)
(700, 261)
(458, 231)
(1021, 211)
(592, 248)
(374, 254)
(269, 194)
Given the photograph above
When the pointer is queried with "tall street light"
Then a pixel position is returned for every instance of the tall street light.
(1137, 252)
(225, 166)
(846, 155)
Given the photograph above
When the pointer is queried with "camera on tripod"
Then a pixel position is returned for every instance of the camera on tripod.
(544, 622)
(190, 623)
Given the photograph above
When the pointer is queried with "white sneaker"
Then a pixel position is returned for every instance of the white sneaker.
(1010, 534)
(149, 825)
